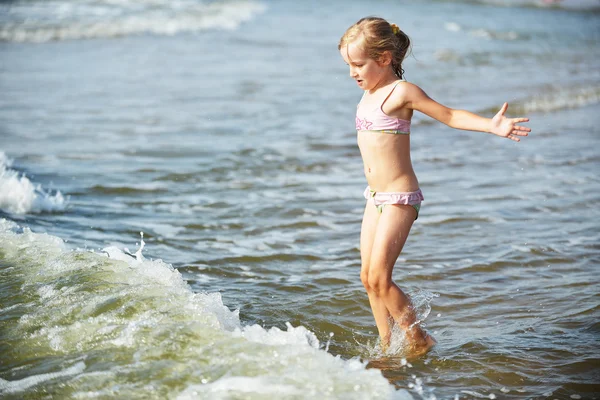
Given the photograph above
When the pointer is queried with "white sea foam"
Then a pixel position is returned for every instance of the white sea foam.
(489, 34)
(559, 98)
(479, 395)
(142, 314)
(275, 336)
(452, 27)
(571, 4)
(482, 33)
(18, 195)
(234, 386)
(42, 21)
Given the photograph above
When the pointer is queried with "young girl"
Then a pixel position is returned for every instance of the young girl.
(374, 50)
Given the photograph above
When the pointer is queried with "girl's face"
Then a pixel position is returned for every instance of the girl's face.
(367, 72)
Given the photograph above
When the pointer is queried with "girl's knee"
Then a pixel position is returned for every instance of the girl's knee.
(364, 278)
(379, 283)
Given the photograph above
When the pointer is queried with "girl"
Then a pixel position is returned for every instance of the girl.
(374, 49)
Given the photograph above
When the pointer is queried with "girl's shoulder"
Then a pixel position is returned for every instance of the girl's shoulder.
(394, 94)
(404, 85)
(398, 91)
(404, 91)
(392, 89)
(400, 98)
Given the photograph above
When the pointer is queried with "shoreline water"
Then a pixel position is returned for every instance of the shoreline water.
(233, 150)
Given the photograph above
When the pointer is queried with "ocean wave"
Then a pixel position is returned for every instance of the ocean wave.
(43, 21)
(82, 323)
(576, 5)
(9, 387)
(485, 33)
(552, 99)
(18, 195)
(558, 98)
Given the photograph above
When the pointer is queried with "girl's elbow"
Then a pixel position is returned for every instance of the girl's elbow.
(450, 120)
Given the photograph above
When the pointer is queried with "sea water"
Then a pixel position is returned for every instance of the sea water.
(224, 132)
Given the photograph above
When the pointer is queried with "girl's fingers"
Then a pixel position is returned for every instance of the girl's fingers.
(521, 128)
(524, 128)
(517, 130)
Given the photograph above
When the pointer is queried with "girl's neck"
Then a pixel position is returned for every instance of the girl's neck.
(385, 80)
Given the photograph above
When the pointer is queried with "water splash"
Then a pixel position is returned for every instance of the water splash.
(328, 341)
(137, 255)
(18, 195)
(399, 346)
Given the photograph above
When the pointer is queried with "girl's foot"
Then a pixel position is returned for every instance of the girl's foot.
(422, 345)
(419, 342)
(384, 343)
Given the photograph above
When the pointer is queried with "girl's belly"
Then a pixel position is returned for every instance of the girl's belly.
(389, 179)
(386, 160)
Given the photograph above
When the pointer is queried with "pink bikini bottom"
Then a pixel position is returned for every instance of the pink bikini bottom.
(381, 199)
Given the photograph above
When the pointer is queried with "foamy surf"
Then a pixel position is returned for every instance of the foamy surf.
(560, 98)
(554, 98)
(577, 5)
(84, 324)
(43, 21)
(483, 33)
(18, 195)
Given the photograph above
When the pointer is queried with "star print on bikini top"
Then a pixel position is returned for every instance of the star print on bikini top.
(363, 124)
(376, 120)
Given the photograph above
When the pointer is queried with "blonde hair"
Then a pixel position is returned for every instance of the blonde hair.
(379, 36)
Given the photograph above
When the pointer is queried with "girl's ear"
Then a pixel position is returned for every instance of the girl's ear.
(386, 58)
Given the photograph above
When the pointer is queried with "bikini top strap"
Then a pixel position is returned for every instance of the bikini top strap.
(362, 97)
(386, 97)
(390, 93)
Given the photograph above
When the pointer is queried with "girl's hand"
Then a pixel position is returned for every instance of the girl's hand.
(507, 127)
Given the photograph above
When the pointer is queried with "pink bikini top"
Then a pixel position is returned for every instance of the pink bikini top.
(374, 119)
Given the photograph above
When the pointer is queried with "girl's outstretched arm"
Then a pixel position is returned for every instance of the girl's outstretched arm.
(416, 99)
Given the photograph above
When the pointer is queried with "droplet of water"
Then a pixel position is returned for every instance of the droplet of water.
(328, 341)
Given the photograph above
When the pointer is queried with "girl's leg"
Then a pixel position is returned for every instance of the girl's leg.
(391, 233)
(367, 234)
